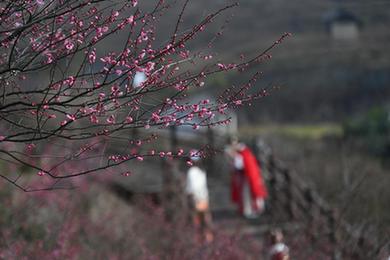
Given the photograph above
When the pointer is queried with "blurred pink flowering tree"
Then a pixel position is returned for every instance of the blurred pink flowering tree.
(66, 99)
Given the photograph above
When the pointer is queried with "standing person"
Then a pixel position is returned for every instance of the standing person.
(247, 187)
(196, 188)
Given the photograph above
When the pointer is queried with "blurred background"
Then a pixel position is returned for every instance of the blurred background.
(322, 136)
(328, 114)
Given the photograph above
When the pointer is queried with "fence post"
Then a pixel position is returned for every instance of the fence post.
(173, 194)
(210, 166)
(173, 138)
(273, 183)
(290, 201)
(334, 235)
(311, 214)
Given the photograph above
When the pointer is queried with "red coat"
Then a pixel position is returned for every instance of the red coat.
(252, 174)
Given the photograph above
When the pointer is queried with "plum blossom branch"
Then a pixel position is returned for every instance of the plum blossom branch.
(66, 101)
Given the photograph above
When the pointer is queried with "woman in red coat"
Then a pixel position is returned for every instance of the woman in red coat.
(248, 190)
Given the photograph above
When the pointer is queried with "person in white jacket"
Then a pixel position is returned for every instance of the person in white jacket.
(196, 188)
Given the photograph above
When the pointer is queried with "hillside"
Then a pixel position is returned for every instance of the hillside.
(321, 78)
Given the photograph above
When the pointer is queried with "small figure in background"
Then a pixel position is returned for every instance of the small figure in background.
(278, 250)
(248, 190)
(196, 188)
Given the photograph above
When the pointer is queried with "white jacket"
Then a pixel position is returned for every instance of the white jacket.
(197, 184)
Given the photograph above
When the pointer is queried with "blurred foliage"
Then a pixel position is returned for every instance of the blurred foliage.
(93, 223)
(373, 129)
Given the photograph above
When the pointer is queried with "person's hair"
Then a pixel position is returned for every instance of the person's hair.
(276, 236)
(232, 139)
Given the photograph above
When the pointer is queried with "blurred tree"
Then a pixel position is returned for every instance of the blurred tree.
(373, 128)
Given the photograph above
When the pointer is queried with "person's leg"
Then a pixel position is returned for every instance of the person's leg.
(198, 222)
(208, 231)
(237, 191)
(260, 205)
(247, 200)
(204, 222)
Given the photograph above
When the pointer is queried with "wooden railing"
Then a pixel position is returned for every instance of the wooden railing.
(292, 199)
